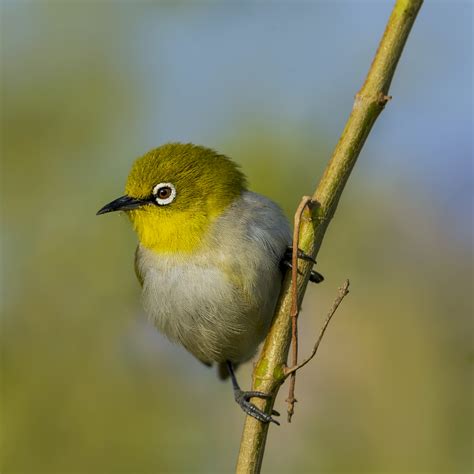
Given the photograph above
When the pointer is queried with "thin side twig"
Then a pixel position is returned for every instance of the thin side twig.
(343, 292)
(291, 400)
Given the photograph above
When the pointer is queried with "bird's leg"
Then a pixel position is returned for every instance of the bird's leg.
(243, 399)
(286, 261)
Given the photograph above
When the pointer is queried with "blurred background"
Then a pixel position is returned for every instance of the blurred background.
(88, 386)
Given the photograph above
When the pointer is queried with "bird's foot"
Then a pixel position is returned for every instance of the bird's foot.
(243, 399)
(314, 276)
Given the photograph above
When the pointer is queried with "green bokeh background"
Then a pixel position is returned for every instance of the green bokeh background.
(88, 386)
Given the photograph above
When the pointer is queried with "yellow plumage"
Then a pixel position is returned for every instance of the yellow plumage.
(170, 232)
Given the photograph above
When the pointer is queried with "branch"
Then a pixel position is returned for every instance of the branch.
(343, 292)
(369, 102)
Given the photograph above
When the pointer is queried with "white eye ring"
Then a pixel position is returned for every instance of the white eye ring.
(169, 199)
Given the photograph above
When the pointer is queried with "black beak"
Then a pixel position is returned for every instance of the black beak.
(124, 203)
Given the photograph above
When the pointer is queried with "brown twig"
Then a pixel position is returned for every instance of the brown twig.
(291, 400)
(343, 292)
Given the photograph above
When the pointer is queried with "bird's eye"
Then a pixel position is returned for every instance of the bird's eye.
(164, 193)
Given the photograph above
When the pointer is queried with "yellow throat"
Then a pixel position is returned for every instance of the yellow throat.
(171, 233)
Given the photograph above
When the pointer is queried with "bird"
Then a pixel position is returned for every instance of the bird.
(210, 258)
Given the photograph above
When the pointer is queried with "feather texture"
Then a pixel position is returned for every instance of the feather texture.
(218, 301)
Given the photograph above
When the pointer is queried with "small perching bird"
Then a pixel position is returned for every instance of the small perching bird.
(209, 257)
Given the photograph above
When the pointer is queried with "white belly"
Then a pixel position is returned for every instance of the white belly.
(200, 308)
(219, 302)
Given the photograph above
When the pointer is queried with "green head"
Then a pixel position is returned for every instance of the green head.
(174, 192)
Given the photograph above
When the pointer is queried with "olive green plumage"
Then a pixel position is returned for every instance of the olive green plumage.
(201, 174)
